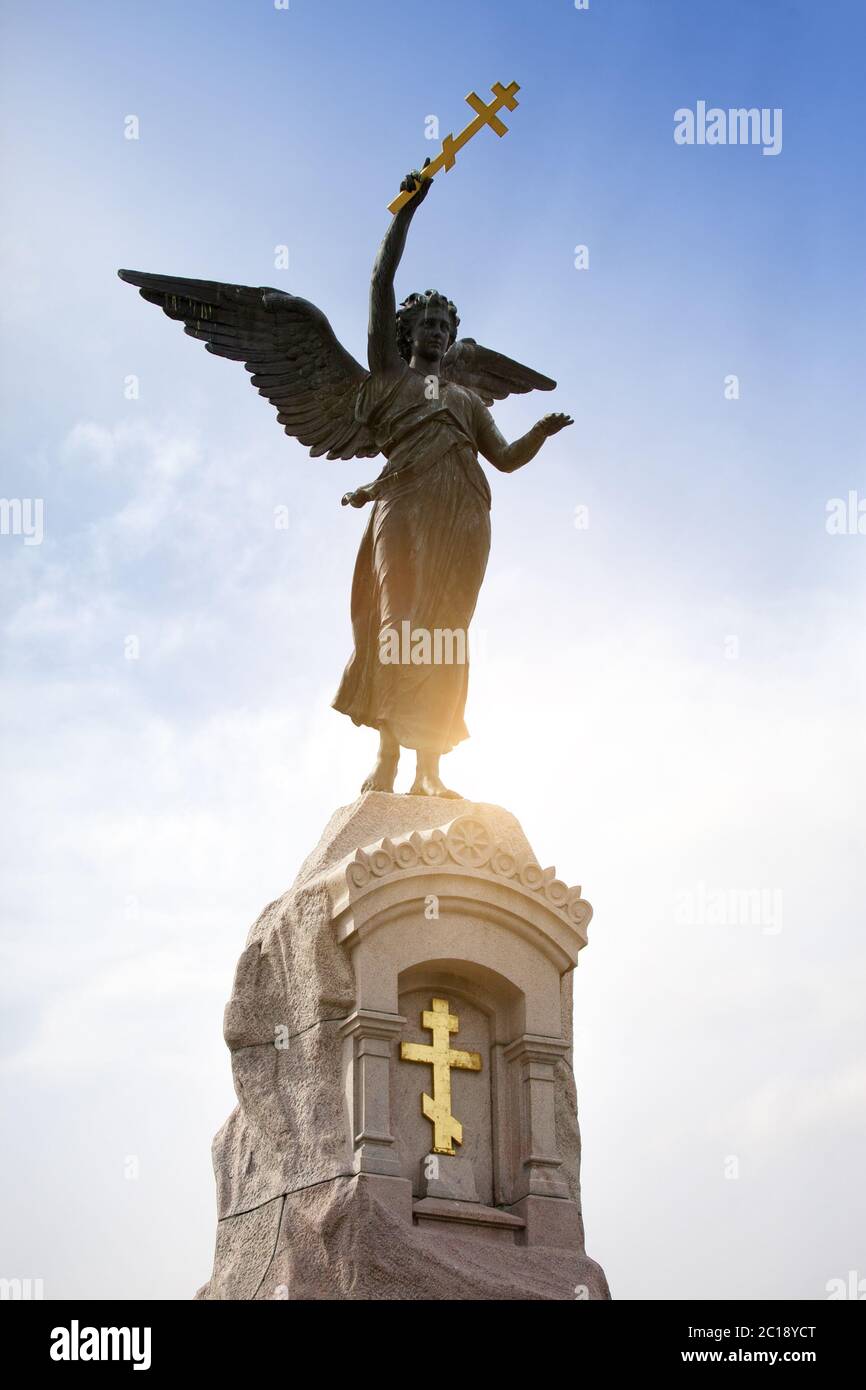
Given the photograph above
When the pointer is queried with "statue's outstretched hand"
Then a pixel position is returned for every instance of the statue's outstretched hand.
(414, 181)
(359, 498)
(552, 424)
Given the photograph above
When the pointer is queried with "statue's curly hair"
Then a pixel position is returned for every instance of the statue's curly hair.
(410, 309)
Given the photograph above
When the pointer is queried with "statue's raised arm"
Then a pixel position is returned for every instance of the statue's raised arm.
(382, 351)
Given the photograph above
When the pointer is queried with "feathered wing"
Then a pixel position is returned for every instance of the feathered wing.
(489, 374)
(286, 344)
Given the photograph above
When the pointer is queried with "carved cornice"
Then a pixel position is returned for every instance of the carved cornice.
(467, 846)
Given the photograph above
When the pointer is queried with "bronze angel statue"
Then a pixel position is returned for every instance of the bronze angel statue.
(422, 402)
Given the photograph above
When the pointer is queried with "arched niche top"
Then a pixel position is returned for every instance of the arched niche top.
(491, 991)
(462, 863)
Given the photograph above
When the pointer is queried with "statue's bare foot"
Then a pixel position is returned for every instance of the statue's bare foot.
(427, 785)
(381, 779)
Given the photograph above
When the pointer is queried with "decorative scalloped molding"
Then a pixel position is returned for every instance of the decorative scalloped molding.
(469, 843)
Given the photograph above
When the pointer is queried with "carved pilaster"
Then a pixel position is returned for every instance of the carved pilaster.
(534, 1060)
(369, 1040)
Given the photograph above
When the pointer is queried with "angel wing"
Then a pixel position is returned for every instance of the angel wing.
(288, 347)
(489, 374)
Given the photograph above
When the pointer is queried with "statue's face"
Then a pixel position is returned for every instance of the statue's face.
(431, 332)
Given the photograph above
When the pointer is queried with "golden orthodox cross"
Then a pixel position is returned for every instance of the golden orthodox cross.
(485, 115)
(441, 1057)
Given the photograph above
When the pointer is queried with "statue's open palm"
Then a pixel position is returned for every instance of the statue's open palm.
(553, 423)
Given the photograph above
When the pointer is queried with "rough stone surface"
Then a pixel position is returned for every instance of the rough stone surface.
(289, 1129)
(245, 1248)
(341, 1241)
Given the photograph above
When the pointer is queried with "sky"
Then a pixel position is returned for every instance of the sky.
(668, 677)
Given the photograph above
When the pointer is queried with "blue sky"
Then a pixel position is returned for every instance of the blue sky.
(154, 805)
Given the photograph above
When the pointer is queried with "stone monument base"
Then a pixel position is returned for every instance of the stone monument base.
(400, 1030)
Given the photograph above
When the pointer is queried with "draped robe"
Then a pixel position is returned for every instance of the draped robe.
(422, 557)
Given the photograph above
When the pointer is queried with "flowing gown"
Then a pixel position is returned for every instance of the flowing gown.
(422, 557)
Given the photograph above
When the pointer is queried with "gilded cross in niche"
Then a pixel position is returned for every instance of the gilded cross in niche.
(441, 1057)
